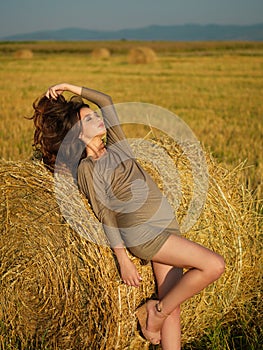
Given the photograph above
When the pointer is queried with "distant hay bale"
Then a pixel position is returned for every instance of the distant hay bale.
(101, 53)
(26, 54)
(141, 54)
(62, 290)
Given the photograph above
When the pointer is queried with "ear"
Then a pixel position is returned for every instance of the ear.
(84, 139)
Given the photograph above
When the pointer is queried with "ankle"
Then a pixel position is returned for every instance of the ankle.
(159, 310)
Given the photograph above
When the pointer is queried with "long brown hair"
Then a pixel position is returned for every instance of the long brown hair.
(53, 119)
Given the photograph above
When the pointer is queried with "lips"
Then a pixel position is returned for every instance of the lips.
(101, 125)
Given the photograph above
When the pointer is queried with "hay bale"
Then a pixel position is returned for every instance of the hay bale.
(141, 54)
(24, 54)
(57, 288)
(101, 54)
(64, 291)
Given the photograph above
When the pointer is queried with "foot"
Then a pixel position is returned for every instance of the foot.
(151, 320)
(156, 316)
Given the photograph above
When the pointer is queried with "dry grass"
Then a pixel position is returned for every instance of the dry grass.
(142, 54)
(55, 286)
(61, 290)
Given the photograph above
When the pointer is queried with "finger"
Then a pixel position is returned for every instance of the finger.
(139, 277)
(48, 93)
(131, 283)
(53, 94)
(135, 283)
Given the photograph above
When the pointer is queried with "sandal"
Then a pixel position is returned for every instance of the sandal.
(142, 315)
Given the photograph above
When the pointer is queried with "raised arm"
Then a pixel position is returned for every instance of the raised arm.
(56, 90)
(103, 101)
(98, 98)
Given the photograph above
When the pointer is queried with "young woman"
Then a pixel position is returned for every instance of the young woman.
(134, 213)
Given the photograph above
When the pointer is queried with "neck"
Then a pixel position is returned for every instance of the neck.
(96, 148)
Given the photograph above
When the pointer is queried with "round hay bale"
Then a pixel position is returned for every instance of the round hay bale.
(101, 54)
(58, 288)
(62, 290)
(25, 54)
(141, 54)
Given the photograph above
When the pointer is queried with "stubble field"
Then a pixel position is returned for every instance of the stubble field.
(216, 88)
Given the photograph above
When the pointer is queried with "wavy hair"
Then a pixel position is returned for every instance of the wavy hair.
(53, 119)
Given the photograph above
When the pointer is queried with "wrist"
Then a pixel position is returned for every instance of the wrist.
(72, 88)
(121, 254)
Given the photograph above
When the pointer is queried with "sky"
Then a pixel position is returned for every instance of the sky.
(25, 16)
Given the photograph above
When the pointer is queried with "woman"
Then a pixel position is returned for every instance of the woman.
(134, 213)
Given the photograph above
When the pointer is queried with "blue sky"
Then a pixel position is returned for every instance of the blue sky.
(23, 16)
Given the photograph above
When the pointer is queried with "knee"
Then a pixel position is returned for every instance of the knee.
(219, 266)
(216, 267)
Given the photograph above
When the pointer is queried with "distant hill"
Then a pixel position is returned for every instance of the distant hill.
(186, 32)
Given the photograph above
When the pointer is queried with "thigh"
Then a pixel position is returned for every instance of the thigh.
(180, 252)
(166, 277)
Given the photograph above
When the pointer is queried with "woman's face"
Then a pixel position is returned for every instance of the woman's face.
(92, 124)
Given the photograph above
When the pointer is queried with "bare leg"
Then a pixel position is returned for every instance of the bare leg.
(205, 267)
(166, 277)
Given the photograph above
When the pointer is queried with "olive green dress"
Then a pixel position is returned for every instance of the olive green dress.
(123, 196)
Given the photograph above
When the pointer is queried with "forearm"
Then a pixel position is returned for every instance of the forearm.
(73, 88)
(97, 97)
(94, 96)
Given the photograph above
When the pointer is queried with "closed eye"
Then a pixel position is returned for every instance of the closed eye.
(88, 117)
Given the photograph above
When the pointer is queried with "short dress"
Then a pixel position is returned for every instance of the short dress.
(124, 198)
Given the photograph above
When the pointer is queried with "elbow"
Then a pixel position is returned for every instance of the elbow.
(108, 100)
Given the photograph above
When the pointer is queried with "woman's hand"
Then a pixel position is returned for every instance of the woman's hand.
(130, 274)
(56, 90)
(128, 270)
